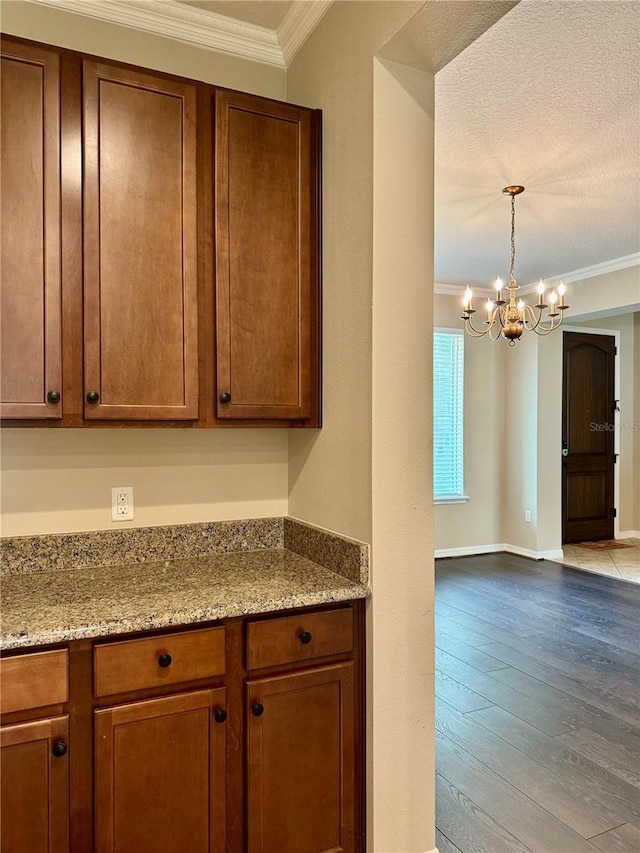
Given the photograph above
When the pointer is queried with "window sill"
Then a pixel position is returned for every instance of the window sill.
(454, 499)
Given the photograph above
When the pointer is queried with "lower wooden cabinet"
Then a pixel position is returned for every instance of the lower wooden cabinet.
(245, 736)
(301, 761)
(34, 787)
(160, 775)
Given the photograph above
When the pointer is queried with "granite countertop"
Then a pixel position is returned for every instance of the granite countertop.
(45, 607)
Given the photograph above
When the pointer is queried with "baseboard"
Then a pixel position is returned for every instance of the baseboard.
(468, 551)
(628, 534)
(555, 554)
(474, 550)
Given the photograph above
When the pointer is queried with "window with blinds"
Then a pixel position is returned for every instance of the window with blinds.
(448, 415)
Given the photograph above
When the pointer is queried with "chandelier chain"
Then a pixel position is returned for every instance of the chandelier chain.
(513, 237)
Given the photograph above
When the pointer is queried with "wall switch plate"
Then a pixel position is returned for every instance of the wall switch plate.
(527, 515)
(122, 503)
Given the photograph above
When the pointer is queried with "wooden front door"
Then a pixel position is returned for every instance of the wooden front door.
(301, 753)
(588, 416)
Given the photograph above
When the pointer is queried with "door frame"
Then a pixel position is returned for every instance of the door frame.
(615, 333)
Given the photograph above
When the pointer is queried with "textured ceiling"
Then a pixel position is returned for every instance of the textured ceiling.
(549, 97)
(268, 13)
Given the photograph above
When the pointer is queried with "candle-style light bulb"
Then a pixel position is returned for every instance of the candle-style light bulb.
(490, 307)
(541, 287)
(467, 298)
(562, 289)
(520, 305)
(499, 284)
(553, 297)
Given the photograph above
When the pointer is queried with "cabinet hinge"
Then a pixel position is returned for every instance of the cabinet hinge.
(615, 512)
(615, 458)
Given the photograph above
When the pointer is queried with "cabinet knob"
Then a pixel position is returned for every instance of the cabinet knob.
(257, 709)
(220, 715)
(59, 748)
(164, 660)
(93, 397)
(225, 397)
(53, 396)
(305, 637)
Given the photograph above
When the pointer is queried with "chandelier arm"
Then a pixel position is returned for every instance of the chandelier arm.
(529, 312)
(474, 333)
(546, 330)
(499, 328)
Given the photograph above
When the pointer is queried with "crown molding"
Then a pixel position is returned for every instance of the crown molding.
(207, 30)
(458, 290)
(621, 263)
(298, 24)
(182, 23)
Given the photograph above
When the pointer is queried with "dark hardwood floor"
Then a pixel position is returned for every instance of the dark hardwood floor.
(538, 718)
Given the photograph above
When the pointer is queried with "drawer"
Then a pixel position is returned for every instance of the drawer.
(34, 680)
(125, 665)
(289, 639)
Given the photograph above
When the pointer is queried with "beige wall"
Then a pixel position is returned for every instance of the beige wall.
(525, 469)
(60, 480)
(76, 32)
(611, 293)
(56, 481)
(376, 424)
(636, 419)
(629, 463)
(477, 522)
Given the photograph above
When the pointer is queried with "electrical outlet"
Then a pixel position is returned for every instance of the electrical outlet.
(122, 503)
(527, 515)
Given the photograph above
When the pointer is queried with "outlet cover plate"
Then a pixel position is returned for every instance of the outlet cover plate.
(122, 503)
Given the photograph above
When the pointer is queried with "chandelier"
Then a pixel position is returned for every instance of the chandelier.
(508, 317)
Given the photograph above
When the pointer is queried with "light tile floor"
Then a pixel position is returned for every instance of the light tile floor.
(619, 563)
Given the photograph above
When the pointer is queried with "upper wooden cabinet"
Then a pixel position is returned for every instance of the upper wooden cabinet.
(30, 283)
(160, 249)
(140, 255)
(264, 271)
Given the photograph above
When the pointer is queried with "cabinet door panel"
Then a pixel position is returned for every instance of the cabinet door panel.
(34, 788)
(301, 762)
(263, 257)
(30, 227)
(141, 352)
(160, 776)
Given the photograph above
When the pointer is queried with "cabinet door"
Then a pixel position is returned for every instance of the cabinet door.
(302, 762)
(264, 271)
(34, 787)
(30, 350)
(141, 350)
(160, 775)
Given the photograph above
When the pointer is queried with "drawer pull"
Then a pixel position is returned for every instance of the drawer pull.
(53, 396)
(225, 397)
(257, 709)
(220, 715)
(165, 660)
(93, 397)
(59, 749)
(305, 638)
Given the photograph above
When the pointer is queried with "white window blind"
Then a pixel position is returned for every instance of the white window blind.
(448, 415)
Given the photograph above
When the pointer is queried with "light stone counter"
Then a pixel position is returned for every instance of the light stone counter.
(45, 607)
